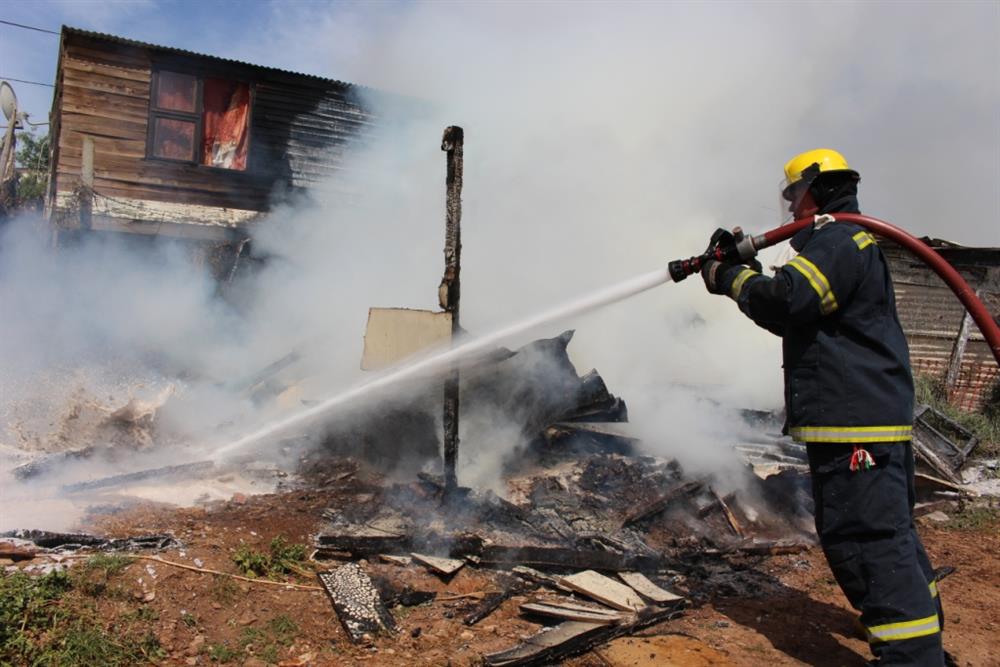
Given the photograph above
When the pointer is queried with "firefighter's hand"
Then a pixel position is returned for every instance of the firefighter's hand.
(754, 264)
(718, 276)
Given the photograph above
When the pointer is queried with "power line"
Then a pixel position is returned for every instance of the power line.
(34, 83)
(28, 27)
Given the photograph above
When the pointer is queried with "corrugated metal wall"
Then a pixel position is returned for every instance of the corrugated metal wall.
(932, 317)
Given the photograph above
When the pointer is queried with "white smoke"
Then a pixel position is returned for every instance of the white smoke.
(601, 142)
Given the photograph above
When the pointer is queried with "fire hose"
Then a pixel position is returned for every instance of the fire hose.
(738, 249)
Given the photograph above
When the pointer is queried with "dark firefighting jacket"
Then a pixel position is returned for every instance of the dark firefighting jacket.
(846, 361)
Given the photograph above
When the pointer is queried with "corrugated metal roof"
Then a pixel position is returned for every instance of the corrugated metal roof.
(68, 30)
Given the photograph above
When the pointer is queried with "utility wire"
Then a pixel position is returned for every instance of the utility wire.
(34, 83)
(28, 27)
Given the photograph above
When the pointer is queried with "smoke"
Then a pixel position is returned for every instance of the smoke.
(601, 142)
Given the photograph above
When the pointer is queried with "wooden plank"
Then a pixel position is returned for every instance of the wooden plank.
(444, 566)
(646, 588)
(100, 100)
(357, 602)
(104, 146)
(96, 125)
(112, 113)
(112, 72)
(571, 612)
(604, 590)
(114, 55)
(130, 89)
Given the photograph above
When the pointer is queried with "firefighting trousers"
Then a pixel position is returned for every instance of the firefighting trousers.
(864, 520)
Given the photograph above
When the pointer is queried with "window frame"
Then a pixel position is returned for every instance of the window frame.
(196, 117)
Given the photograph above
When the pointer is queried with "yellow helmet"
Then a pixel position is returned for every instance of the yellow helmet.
(807, 166)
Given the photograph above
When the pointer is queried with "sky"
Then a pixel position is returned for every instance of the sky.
(908, 91)
(602, 141)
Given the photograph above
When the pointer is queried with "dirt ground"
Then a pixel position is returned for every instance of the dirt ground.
(802, 618)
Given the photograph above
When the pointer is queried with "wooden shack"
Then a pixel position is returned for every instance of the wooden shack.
(152, 140)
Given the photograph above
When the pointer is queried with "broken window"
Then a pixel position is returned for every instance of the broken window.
(204, 121)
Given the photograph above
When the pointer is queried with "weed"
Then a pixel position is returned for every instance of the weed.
(283, 558)
(188, 620)
(251, 636)
(219, 652)
(283, 628)
(224, 590)
(109, 564)
(269, 653)
(252, 563)
(144, 614)
(92, 575)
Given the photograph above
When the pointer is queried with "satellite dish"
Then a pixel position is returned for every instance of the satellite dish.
(8, 100)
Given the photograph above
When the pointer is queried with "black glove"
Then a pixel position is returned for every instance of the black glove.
(718, 276)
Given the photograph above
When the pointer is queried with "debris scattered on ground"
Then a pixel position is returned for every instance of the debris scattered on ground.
(357, 602)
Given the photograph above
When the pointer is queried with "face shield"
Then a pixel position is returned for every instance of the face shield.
(792, 192)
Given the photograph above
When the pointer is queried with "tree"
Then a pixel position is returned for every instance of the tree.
(32, 160)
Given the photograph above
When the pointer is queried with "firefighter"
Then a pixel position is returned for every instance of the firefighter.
(849, 398)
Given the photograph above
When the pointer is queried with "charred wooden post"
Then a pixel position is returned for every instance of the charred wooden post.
(448, 293)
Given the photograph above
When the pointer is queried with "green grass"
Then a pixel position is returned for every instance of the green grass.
(266, 644)
(284, 557)
(219, 652)
(283, 629)
(984, 424)
(975, 519)
(51, 621)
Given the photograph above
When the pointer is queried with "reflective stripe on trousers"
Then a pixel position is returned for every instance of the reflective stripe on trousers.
(852, 434)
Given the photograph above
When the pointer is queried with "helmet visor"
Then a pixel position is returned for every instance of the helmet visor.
(789, 197)
(791, 193)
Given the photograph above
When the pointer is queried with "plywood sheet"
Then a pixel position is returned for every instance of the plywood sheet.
(604, 590)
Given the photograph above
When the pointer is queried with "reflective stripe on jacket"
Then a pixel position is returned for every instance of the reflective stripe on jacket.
(846, 361)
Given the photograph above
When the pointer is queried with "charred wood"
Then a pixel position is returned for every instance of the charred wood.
(661, 503)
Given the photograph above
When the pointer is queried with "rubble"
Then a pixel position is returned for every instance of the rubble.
(69, 542)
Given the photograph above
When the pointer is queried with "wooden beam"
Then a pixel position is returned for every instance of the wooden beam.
(452, 143)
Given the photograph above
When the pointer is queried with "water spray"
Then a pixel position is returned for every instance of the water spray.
(442, 360)
(728, 247)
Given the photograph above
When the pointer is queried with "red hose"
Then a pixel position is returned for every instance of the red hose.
(984, 320)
